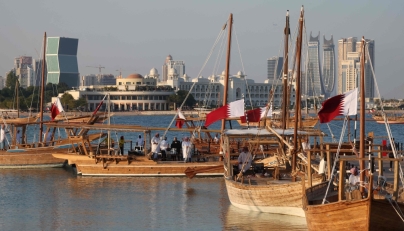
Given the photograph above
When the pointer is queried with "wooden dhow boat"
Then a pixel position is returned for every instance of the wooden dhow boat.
(329, 207)
(258, 192)
(94, 160)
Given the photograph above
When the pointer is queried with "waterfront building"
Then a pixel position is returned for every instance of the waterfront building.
(137, 92)
(328, 67)
(274, 67)
(169, 64)
(61, 61)
(312, 85)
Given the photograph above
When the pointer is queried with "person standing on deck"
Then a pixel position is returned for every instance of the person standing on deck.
(176, 145)
(391, 155)
(163, 148)
(18, 137)
(306, 145)
(121, 144)
(244, 160)
(140, 141)
(2, 138)
(186, 150)
(155, 148)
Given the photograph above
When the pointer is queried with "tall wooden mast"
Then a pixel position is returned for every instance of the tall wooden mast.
(42, 90)
(285, 74)
(362, 114)
(226, 77)
(297, 97)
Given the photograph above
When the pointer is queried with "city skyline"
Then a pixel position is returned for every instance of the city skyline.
(136, 42)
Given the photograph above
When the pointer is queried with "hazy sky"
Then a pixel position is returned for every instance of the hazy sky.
(138, 35)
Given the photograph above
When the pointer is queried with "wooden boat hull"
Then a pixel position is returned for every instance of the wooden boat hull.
(39, 158)
(268, 198)
(336, 216)
(360, 214)
(139, 167)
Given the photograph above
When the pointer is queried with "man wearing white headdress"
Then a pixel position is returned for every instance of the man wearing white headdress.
(186, 150)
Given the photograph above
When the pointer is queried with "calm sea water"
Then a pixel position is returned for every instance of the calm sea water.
(56, 199)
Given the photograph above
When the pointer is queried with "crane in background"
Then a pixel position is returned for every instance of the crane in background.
(120, 72)
(99, 69)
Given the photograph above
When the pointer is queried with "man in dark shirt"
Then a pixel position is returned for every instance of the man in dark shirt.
(176, 144)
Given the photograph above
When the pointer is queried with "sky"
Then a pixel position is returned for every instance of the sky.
(135, 36)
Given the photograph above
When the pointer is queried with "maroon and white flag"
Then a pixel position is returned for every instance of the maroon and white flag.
(256, 115)
(233, 109)
(56, 108)
(344, 104)
(99, 106)
(180, 119)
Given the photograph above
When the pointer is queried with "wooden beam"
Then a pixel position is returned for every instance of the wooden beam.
(341, 188)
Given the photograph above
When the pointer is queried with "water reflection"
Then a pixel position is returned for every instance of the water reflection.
(239, 219)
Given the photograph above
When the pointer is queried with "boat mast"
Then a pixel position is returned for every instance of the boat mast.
(226, 77)
(18, 100)
(362, 115)
(297, 97)
(285, 73)
(42, 90)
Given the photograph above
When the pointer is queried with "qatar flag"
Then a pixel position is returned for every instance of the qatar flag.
(344, 104)
(256, 115)
(56, 108)
(233, 109)
(180, 119)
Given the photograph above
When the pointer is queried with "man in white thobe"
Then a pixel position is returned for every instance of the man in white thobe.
(244, 160)
(163, 148)
(186, 150)
(155, 147)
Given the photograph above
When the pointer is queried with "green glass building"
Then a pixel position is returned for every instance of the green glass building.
(61, 61)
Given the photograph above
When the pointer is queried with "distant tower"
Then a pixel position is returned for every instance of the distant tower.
(369, 59)
(61, 61)
(165, 67)
(312, 84)
(274, 67)
(345, 46)
(328, 66)
(179, 66)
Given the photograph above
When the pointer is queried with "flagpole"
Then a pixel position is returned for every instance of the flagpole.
(297, 97)
(226, 78)
(285, 73)
(42, 90)
(362, 117)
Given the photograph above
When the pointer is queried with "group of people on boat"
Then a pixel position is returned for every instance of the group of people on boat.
(160, 146)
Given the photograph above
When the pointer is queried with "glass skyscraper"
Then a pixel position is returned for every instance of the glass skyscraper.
(61, 60)
(274, 67)
(328, 67)
(312, 85)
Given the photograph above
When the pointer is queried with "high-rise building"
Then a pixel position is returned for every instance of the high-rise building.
(24, 70)
(169, 64)
(328, 66)
(345, 45)
(104, 79)
(274, 65)
(350, 49)
(61, 61)
(312, 83)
